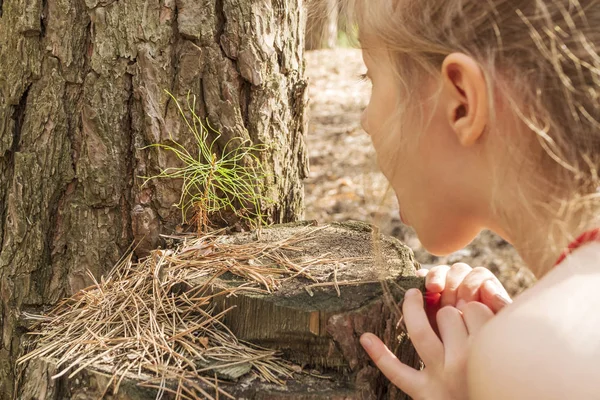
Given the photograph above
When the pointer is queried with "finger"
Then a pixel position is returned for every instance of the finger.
(471, 287)
(494, 296)
(454, 334)
(436, 278)
(422, 272)
(475, 315)
(455, 277)
(404, 377)
(426, 342)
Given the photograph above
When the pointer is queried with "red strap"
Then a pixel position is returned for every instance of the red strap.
(589, 236)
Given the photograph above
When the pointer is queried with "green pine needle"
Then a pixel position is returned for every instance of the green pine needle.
(212, 183)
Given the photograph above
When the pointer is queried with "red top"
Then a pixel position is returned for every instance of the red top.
(589, 236)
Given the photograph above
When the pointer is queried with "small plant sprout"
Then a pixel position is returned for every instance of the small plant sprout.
(232, 180)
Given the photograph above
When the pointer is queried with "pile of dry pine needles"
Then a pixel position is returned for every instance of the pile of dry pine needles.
(149, 319)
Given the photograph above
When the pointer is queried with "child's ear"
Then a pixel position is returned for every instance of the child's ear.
(467, 94)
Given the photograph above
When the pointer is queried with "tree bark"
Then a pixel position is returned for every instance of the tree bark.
(322, 25)
(82, 92)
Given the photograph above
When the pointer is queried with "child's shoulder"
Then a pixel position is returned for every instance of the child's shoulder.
(545, 345)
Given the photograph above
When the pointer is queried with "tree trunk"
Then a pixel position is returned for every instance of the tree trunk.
(82, 92)
(322, 25)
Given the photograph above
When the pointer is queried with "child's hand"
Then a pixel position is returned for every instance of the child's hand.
(460, 284)
(445, 359)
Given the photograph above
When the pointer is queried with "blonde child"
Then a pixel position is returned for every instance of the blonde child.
(486, 114)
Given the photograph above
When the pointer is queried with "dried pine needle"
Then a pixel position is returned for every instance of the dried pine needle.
(149, 319)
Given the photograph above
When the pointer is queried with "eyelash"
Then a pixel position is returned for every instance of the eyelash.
(364, 78)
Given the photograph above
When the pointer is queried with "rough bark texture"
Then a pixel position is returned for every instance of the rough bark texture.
(322, 25)
(82, 91)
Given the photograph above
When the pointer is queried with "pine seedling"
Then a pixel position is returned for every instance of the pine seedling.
(232, 180)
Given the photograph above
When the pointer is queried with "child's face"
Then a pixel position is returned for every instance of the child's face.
(441, 186)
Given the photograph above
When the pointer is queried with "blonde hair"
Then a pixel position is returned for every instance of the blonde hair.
(546, 51)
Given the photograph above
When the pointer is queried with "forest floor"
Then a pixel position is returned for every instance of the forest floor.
(345, 183)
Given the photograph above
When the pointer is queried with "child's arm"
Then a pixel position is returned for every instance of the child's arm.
(526, 358)
(495, 366)
(547, 344)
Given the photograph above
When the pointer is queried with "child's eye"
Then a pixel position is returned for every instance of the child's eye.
(364, 77)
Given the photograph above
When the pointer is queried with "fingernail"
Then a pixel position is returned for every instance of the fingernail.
(365, 341)
(503, 299)
(460, 303)
(412, 292)
(491, 286)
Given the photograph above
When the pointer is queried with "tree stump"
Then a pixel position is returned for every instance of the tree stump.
(315, 326)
